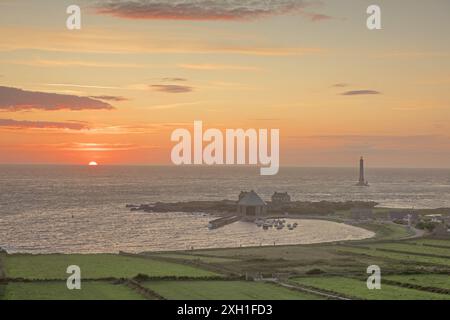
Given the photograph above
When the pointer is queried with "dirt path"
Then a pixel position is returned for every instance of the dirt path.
(417, 234)
(308, 290)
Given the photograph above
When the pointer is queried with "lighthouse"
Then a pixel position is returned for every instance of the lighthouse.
(362, 181)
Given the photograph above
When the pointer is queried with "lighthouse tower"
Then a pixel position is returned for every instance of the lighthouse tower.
(362, 181)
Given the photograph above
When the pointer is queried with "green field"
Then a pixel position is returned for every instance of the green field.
(403, 257)
(433, 242)
(331, 267)
(441, 281)
(58, 291)
(191, 257)
(386, 231)
(288, 253)
(225, 290)
(2, 291)
(358, 289)
(413, 248)
(99, 266)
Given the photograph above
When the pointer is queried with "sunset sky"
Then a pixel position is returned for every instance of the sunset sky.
(114, 91)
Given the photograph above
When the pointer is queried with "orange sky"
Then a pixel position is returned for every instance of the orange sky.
(114, 91)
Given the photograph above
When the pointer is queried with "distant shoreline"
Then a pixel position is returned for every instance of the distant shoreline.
(225, 166)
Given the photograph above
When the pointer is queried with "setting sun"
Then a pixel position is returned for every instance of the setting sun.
(93, 164)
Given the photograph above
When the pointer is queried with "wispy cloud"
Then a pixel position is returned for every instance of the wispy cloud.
(205, 10)
(174, 79)
(110, 98)
(24, 124)
(374, 144)
(13, 99)
(86, 147)
(75, 63)
(340, 85)
(71, 85)
(211, 67)
(102, 41)
(171, 88)
(360, 92)
(99, 147)
(175, 105)
(316, 17)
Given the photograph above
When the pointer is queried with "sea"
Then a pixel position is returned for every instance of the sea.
(81, 209)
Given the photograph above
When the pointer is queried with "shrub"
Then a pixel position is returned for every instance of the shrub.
(315, 271)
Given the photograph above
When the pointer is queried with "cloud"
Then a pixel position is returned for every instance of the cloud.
(340, 85)
(85, 147)
(211, 67)
(99, 41)
(71, 85)
(174, 79)
(316, 17)
(171, 88)
(376, 145)
(13, 99)
(75, 63)
(110, 98)
(175, 105)
(24, 124)
(360, 92)
(203, 10)
(99, 147)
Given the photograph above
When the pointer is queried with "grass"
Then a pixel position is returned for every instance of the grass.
(386, 231)
(298, 259)
(2, 265)
(441, 281)
(2, 291)
(49, 267)
(413, 248)
(288, 253)
(333, 259)
(59, 291)
(358, 289)
(191, 257)
(433, 242)
(225, 290)
(403, 257)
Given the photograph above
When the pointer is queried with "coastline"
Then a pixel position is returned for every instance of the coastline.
(238, 235)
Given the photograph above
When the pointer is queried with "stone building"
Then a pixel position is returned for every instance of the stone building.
(280, 198)
(251, 205)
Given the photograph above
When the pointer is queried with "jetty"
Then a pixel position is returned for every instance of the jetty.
(221, 222)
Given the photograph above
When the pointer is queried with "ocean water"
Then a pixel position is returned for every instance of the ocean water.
(82, 209)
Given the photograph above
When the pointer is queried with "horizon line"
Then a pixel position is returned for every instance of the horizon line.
(221, 166)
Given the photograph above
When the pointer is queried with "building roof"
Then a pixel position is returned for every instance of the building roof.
(280, 194)
(251, 199)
